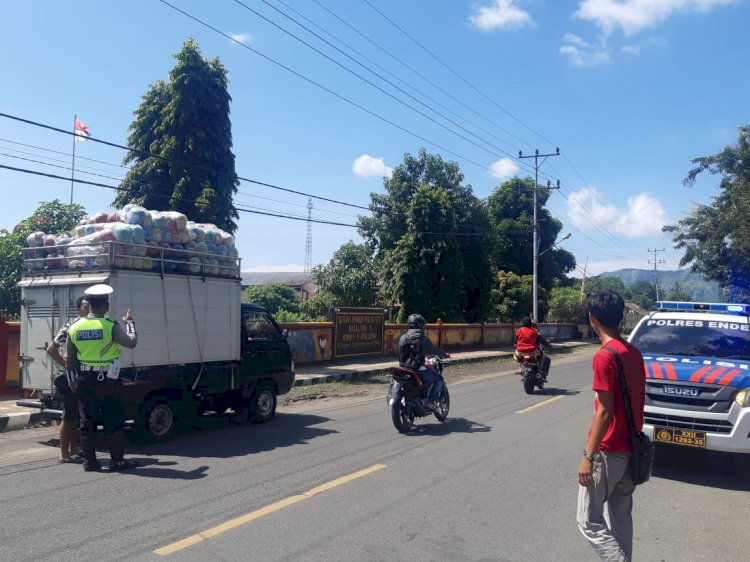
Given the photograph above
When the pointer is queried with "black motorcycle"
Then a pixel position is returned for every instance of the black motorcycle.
(407, 396)
(530, 373)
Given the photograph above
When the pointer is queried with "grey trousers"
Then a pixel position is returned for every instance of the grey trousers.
(609, 531)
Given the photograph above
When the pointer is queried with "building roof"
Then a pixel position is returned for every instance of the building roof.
(250, 278)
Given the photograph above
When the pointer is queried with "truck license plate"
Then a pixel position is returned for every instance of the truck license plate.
(676, 436)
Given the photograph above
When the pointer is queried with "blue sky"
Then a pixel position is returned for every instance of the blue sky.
(630, 90)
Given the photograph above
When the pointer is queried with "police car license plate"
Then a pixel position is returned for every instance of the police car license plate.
(676, 436)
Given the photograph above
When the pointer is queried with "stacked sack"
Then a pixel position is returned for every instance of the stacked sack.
(140, 239)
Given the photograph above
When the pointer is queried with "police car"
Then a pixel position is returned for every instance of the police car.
(697, 358)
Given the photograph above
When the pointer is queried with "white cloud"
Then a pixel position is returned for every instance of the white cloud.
(504, 168)
(582, 53)
(501, 14)
(241, 37)
(631, 49)
(367, 166)
(632, 16)
(644, 215)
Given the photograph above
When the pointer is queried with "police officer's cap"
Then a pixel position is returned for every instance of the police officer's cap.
(100, 290)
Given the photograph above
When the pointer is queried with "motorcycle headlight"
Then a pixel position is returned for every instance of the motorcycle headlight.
(743, 398)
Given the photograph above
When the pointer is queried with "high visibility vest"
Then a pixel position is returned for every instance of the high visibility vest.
(93, 340)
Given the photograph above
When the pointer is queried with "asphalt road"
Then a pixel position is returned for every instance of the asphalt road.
(495, 482)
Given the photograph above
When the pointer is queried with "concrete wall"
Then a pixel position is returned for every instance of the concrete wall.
(305, 339)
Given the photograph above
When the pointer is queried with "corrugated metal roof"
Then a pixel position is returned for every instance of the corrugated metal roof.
(250, 278)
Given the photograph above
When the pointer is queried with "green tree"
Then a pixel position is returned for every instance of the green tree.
(512, 297)
(317, 308)
(182, 144)
(431, 240)
(643, 294)
(716, 237)
(678, 293)
(566, 305)
(349, 277)
(52, 217)
(511, 211)
(273, 296)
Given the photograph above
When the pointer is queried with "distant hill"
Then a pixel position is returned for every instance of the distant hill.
(699, 288)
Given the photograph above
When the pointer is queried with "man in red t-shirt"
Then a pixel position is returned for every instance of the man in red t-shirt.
(603, 472)
(528, 340)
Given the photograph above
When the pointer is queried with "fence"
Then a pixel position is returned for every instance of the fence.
(315, 341)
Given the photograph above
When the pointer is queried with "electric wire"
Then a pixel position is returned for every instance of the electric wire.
(326, 89)
(369, 82)
(197, 166)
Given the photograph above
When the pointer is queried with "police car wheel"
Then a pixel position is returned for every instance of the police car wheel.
(262, 404)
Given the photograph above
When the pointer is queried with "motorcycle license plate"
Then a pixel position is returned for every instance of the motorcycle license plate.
(676, 436)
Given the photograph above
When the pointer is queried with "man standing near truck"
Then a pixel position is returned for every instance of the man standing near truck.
(93, 366)
(69, 445)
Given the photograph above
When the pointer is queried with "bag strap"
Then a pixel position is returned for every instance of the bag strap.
(625, 393)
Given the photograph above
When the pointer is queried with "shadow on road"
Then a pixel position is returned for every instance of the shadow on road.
(153, 468)
(552, 391)
(451, 425)
(704, 468)
(217, 437)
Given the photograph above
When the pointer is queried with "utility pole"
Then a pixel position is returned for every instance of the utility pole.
(656, 262)
(308, 241)
(583, 281)
(536, 156)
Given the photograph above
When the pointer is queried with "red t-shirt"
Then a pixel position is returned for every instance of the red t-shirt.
(606, 379)
(526, 339)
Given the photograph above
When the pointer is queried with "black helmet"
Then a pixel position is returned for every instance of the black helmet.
(416, 321)
(526, 322)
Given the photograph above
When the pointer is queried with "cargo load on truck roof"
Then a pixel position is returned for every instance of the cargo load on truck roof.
(135, 238)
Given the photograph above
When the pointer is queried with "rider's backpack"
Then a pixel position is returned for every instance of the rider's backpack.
(411, 351)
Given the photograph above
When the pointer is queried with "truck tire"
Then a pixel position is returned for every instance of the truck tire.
(158, 420)
(262, 404)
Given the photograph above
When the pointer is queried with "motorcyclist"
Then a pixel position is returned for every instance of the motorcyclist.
(413, 346)
(529, 342)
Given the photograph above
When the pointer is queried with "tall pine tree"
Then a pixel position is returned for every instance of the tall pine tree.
(181, 138)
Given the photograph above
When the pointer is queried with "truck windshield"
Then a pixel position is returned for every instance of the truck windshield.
(724, 340)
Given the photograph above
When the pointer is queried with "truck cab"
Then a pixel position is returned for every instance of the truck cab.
(697, 359)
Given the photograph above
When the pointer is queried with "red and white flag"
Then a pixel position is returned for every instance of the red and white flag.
(81, 131)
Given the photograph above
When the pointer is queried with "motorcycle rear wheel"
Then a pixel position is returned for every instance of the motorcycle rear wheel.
(443, 405)
(528, 384)
(403, 420)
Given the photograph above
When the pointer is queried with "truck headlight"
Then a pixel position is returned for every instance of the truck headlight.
(743, 398)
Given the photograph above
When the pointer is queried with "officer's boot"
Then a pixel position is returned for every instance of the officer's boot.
(90, 463)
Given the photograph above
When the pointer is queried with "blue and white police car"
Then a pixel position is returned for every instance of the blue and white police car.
(697, 358)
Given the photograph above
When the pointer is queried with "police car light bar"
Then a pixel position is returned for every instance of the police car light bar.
(721, 308)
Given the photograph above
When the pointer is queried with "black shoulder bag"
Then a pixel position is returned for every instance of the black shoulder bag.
(642, 457)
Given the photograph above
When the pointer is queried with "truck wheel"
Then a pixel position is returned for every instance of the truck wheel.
(158, 419)
(262, 404)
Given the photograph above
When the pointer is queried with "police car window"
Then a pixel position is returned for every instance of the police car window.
(260, 326)
(702, 338)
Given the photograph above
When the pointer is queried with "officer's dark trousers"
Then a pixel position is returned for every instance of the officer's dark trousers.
(99, 405)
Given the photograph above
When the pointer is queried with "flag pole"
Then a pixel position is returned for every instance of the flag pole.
(73, 167)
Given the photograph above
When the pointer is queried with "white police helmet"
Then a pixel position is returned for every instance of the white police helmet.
(99, 290)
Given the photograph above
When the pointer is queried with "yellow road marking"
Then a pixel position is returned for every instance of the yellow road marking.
(248, 517)
(539, 404)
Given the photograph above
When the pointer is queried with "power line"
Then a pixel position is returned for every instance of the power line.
(283, 29)
(196, 166)
(326, 89)
(444, 65)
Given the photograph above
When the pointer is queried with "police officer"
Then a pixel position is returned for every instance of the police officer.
(93, 366)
